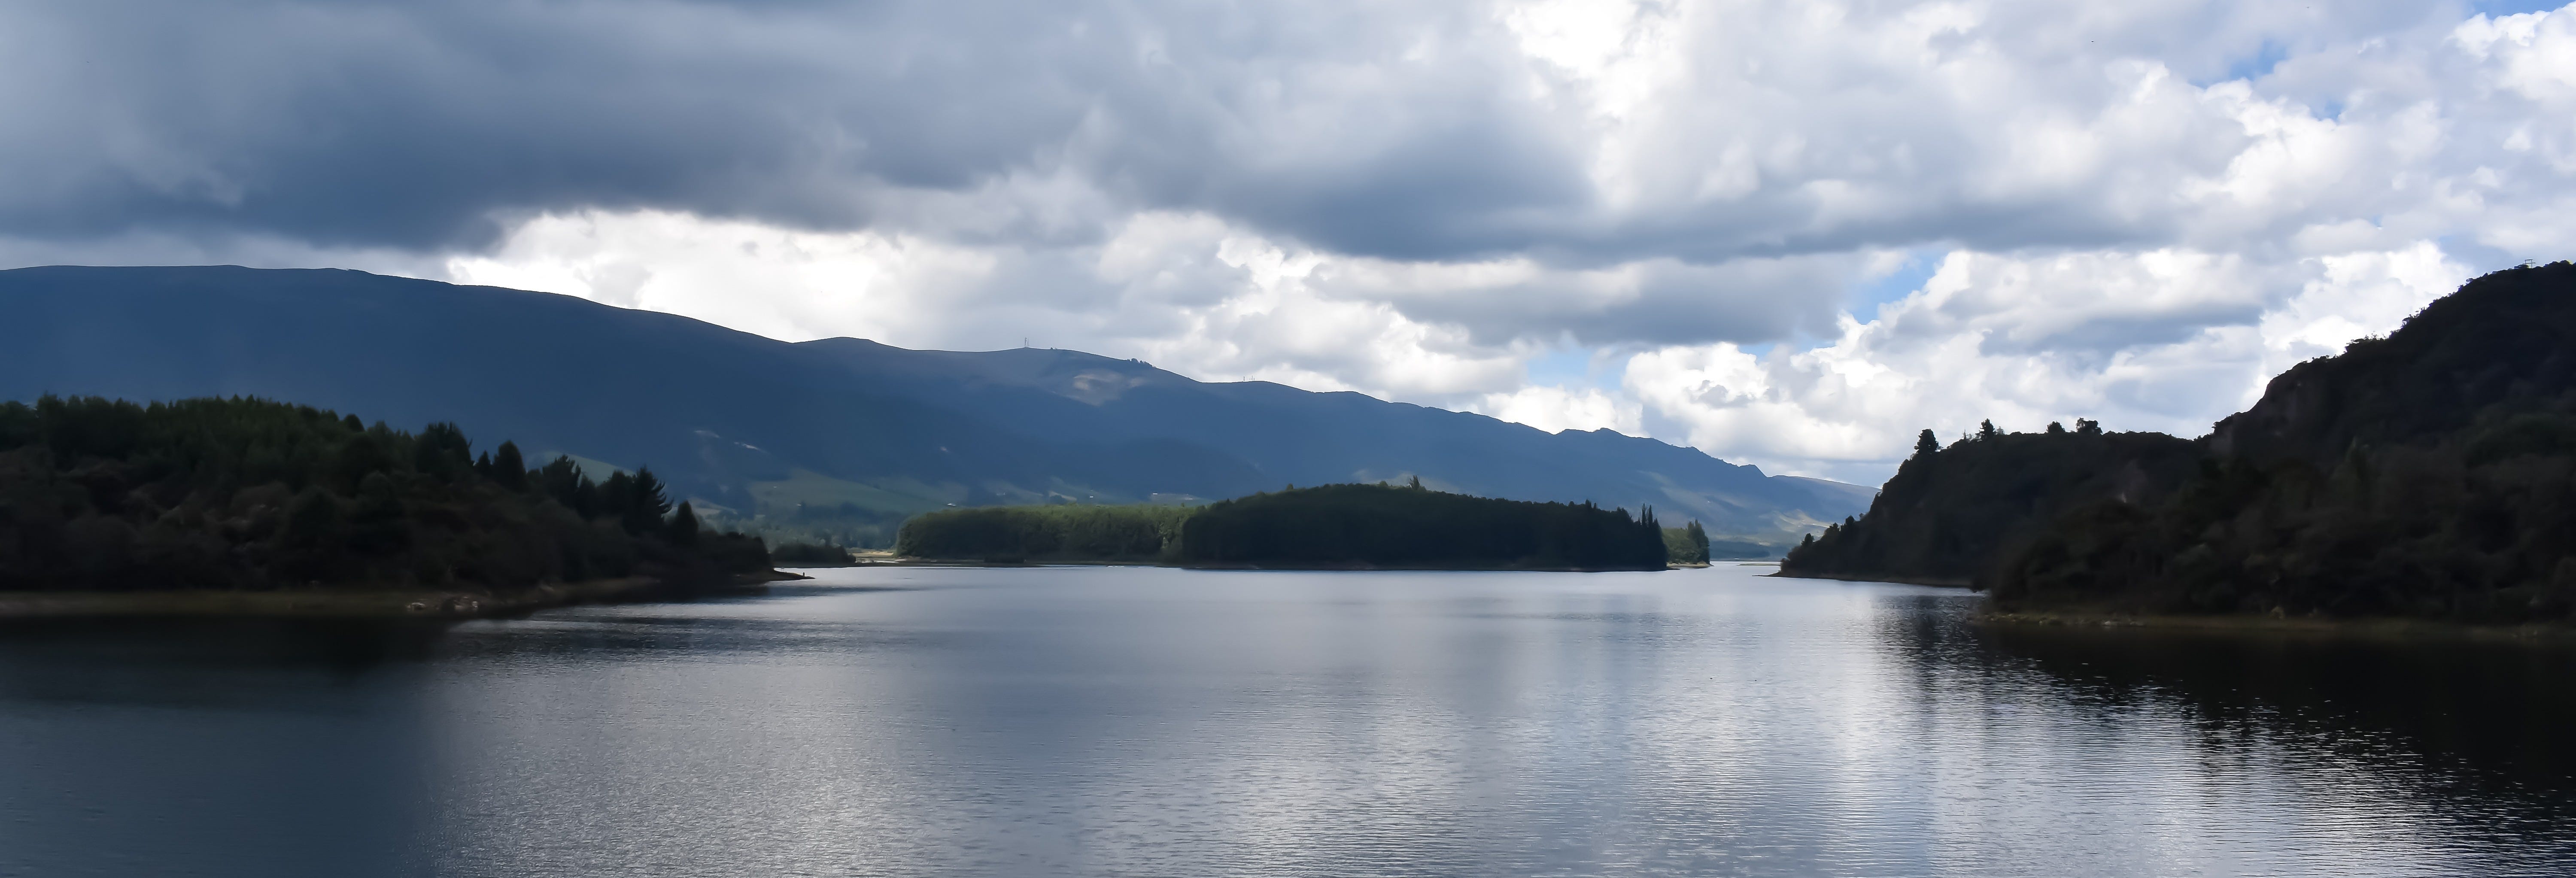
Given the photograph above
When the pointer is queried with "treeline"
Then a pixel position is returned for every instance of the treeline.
(1388, 526)
(1328, 526)
(1949, 512)
(1015, 534)
(100, 494)
(2431, 473)
(824, 554)
(2481, 527)
(1686, 545)
(1690, 544)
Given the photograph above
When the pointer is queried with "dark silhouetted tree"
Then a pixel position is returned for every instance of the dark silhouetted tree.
(683, 529)
(508, 469)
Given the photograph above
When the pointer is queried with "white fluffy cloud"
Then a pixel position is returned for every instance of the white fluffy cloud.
(2161, 340)
(2130, 212)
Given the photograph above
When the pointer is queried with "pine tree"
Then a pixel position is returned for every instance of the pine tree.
(683, 529)
(1986, 430)
(638, 501)
(1926, 444)
(562, 479)
(509, 470)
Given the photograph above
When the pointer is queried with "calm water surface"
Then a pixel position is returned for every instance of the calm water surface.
(1108, 721)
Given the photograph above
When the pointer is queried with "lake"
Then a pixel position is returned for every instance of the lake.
(1140, 721)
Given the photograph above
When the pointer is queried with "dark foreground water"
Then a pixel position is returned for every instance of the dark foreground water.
(1162, 722)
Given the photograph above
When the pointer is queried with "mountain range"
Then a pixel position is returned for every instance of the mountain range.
(837, 438)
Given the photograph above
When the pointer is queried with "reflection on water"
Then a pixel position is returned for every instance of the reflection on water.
(1139, 721)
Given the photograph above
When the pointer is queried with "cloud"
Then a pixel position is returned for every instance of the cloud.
(1557, 409)
(1932, 360)
(2138, 212)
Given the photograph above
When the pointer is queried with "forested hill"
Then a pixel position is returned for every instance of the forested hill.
(2429, 473)
(101, 495)
(838, 438)
(1948, 512)
(2498, 346)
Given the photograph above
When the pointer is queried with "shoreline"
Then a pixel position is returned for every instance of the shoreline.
(354, 604)
(1935, 581)
(1080, 562)
(2377, 627)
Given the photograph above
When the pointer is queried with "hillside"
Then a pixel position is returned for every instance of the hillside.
(837, 438)
(1949, 512)
(2499, 345)
(2431, 473)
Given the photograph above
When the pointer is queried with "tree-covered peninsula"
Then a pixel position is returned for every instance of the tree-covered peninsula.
(1949, 512)
(99, 495)
(1332, 526)
(2428, 474)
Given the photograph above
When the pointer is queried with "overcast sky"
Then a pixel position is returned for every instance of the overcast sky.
(1787, 233)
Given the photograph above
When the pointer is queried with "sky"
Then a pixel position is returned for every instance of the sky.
(1787, 233)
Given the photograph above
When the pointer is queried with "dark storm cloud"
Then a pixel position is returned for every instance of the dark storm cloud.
(1416, 131)
(417, 124)
(412, 124)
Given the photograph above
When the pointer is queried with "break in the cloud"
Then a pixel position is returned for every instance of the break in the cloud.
(1786, 232)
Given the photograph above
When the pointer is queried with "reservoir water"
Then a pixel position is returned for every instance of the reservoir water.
(1126, 721)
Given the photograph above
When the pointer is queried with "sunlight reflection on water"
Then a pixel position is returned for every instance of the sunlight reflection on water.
(1099, 721)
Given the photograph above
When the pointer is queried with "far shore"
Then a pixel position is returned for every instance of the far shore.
(1090, 562)
(356, 603)
(1943, 582)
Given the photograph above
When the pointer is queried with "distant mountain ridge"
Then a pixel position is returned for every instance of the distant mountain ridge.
(840, 436)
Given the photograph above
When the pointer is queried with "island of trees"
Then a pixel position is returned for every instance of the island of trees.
(2431, 473)
(1331, 526)
(1688, 545)
(245, 494)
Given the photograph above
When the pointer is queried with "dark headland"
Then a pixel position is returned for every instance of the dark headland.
(2427, 475)
(243, 506)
